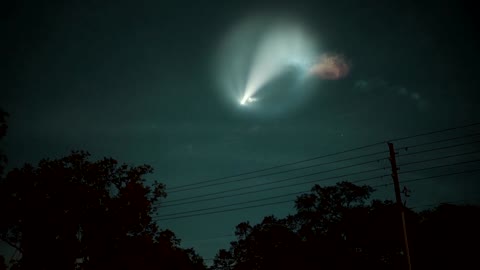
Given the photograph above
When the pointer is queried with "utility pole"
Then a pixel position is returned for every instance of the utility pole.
(398, 197)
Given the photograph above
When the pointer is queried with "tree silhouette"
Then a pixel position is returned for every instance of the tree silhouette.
(448, 238)
(340, 230)
(223, 260)
(336, 227)
(72, 213)
(3, 265)
(324, 207)
(313, 237)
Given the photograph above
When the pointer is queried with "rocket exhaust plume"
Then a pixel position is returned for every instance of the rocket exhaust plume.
(261, 49)
(281, 46)
(331, 67)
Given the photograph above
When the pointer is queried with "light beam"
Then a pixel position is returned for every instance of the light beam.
(284, 45)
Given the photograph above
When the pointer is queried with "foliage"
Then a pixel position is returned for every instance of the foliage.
(335, 227)
(72, 213)
(448, 238)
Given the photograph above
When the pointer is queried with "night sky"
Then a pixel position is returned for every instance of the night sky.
(136, 80)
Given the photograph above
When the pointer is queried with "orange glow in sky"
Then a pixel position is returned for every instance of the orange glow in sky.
(331, 67)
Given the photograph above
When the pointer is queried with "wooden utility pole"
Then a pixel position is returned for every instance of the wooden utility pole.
(399, 203)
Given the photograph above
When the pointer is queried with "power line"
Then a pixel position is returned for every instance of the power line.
(276, 167)
(439, 141)
(233, 204)
(257, 200)
(286, 179)
(202, 183)
(226, 210)
(435, 149)
(439, 158)
(245, 193)
(262, 190)
(440, 166)
(281, 172)
(434, 132)
(289, 201)
(429, 177)
(324, 156)
(268, 183)
(296, 193)
(414, 153)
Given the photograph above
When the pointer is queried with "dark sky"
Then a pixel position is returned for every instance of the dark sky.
(133, 80)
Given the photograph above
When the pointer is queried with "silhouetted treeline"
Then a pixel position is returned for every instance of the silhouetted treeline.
(72, 213)
(335, 228)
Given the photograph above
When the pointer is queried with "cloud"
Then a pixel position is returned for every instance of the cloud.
(376, 85)
(331, 67)
(415, 96)
(402, 91)
(361, 84)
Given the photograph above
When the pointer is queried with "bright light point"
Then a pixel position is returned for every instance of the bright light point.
(244, 100)
(247, 99)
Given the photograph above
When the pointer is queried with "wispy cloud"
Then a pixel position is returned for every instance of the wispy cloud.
(331, 67)
(377, 85)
